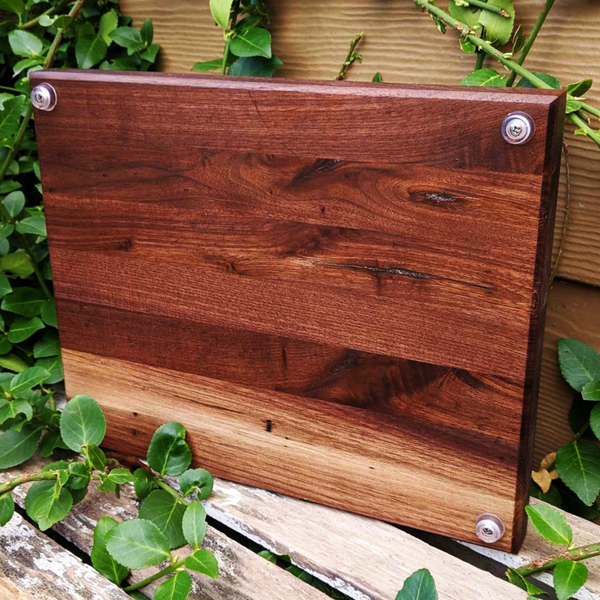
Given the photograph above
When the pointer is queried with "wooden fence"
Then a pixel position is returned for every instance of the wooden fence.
(312, 37)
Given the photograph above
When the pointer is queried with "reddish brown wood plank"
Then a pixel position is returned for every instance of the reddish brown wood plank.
(325, 306)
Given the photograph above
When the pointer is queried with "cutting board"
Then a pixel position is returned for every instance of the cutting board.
(338, 288)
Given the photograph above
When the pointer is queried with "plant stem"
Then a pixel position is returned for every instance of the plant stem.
(479, 60)
(351, 57)
(591, 109)
(167, 488)
(489, 7)
(21, 479)
(548, 562)
(227, 35)
(225, 57)
(152, 578)
(531, 39)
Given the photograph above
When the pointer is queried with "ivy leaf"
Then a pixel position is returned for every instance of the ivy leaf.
(7, 508)
(255, 66)
(90, 51)
(197, 480)
(14, 203)
(24, 301)
(485, 77)
(109, 21)
(82, 423)
(35, 225)
(419, 586)
(579, 363)
(220, 11)
(10, 117)
(168, 452)
(580, 88)
(591, 391)
(578, 465)
(143, 483)
(102, 561)
(208, 65)
(137, 544)
(26, 380)
(45, 505)
(166, 512)
(252, 42)
(545, 77)
(550, 524)
(498, 29)
(177, 587)
(24, 43)
(194, 524)
(203, 561)
(569, 577)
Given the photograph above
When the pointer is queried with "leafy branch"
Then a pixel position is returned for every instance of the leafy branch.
(352, 56)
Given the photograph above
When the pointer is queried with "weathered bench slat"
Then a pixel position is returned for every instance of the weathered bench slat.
(32, 566)
(243, 574)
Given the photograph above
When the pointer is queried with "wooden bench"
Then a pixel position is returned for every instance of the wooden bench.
(363, 558)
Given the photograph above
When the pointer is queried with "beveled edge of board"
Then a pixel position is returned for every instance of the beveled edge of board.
(345, 88)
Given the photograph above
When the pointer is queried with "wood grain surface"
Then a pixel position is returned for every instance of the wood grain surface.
(316, 303)
(311, 37)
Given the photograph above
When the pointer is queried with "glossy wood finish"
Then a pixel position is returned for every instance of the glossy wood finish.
(339, 289)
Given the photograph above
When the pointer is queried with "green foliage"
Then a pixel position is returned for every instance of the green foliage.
(578, 465)
(177, 587)
(519, 580)
(194, 524)
(102, 561)
(569, 577)
(485, 77)
(203, 561)
(82, 423)
(166, 512)
(47, 503)
(17, 446)
(579, 363)
(497, 28)
(550, 524)
(198, 481)
(7, 508)
(168, 453)
(419, 586)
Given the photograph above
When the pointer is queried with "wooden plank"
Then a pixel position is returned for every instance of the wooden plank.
(32, 566)
(573, 311)
(311, 38)
(415, 264)
(243, 574)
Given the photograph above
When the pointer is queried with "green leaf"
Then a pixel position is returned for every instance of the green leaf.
(197, 480)
(485, 77)
(220, 11)
(545, 77)
(27, 379)
(7, 508)
(48, 345)
(268, 555)
(498, 29)
(5, 287)
(24, 43)
(203, 561)
(9, 410)
(14, 203)
(45, 505)
(13, 6)
(49, 313)
(591, 390)
(377, 78)
(102, 561)
(18, 263)
(97, 457)
(82, 423)
(50, 442)
(18, 446)
(569, 577)
(573, 105)
(120, 476)
(164, 510)
(150, 52)
(208, 65)
(109, 21)
(12, 362)
(579, 363)
(595, 420)
(10, 117)
(578, 465)
(168, 453)
(53, 365)
(550, 524)
(24, 301)
(517, 579)
(256, 66)
(137, 544)
(252, 42)
(79, 476)
(143, 483)
(90, 51)
(177, 587)
(147, 32)
(5, 344)
(580, 88)
(23, 328)
(35, 225)
(194, 524)
(419, 586)
(464, 14)
(127, 37)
